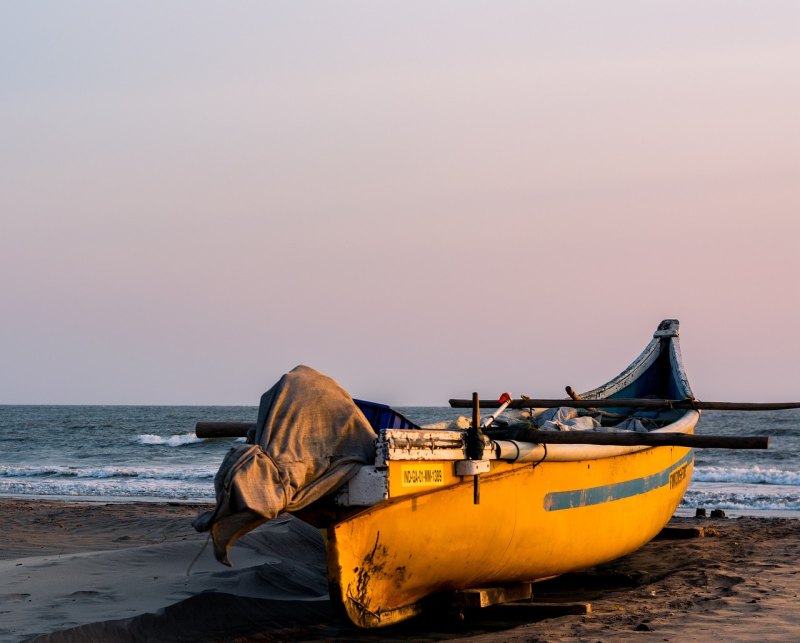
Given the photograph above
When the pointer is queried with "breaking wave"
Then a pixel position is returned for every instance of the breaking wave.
(744, 499)
(108, 488)
(750, 475)
(146, 473)
(194, 482)
(171, 441)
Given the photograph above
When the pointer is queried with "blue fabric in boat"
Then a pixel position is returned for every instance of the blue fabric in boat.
(381, 416)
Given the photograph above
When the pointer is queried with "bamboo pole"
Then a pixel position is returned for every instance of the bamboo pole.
(474, 445)
(630, 438)
(222, 429)
(642, 403)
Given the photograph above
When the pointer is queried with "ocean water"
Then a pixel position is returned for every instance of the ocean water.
(123, 453)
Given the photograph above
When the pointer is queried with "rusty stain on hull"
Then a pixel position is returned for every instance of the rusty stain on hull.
(372, 566)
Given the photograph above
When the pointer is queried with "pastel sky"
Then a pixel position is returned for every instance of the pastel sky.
(421, 199)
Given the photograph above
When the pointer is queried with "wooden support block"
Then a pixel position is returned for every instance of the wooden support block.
(679, 533)
(486, 596)
(538, 610)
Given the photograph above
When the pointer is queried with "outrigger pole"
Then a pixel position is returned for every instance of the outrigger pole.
(239, 429)
(642, 403)
(635, 438)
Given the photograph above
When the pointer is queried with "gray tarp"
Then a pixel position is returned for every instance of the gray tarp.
(310, 439)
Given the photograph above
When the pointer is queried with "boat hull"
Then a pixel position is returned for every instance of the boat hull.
(533, 521)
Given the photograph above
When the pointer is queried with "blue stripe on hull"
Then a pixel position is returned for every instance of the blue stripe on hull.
(607, 493)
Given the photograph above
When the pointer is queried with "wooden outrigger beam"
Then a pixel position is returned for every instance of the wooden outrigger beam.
(631, 438)
(222, 429)
(635, 402)
(627, 438)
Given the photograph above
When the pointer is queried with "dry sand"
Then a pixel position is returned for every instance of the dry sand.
(118, 572)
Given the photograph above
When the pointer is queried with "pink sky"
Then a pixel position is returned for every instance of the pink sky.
(419, 199)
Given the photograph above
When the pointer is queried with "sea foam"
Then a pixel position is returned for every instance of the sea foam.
(110, 487)
(784, 499)
(750, 475)
(149, 439)
(110, 471)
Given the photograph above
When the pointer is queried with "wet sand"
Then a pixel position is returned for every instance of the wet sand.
(118, 572)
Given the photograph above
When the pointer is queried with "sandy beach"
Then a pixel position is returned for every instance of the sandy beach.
(139, 572)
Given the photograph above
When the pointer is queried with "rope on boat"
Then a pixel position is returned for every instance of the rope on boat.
(544, 457)
(200, 553)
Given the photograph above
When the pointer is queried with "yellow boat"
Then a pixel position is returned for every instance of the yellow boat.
(414, 514)
(543, 509)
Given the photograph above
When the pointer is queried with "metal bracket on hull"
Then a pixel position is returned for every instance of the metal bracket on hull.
(472, 467)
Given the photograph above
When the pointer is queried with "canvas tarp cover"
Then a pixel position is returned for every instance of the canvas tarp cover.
(310, 439)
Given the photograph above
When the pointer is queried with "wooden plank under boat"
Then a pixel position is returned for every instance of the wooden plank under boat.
(556, 509)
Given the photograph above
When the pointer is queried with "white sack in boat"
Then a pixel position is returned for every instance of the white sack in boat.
(564, 418)
(461, 423)
(310, 439)
(630, 424)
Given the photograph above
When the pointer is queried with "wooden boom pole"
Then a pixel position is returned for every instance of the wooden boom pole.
(635, 402)
(651, 439)
(222, 429)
